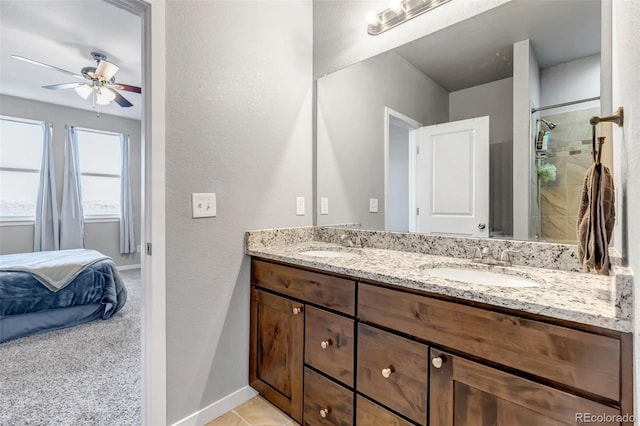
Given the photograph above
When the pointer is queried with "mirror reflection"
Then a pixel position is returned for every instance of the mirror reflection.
(480, 129)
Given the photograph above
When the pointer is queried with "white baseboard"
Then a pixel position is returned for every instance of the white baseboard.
(218, 408)
(127, 267)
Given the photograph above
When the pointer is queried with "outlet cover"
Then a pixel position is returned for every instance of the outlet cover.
(373, 205)
(324, 205)
(203, 204)
(300, 206)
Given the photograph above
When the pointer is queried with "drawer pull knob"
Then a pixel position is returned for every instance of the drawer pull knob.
(297, 310)
(325, 344)
(437, 362)
(324, 412)
(386, 372)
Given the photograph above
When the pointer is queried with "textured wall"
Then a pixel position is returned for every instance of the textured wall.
(494, 99)
(100, 236)
(626, 93)
(350, 131)
(239, 93)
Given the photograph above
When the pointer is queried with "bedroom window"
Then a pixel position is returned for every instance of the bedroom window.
(100, 163)
(20, 162)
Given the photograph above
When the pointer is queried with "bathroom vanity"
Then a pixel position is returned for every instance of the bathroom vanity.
(336, 342)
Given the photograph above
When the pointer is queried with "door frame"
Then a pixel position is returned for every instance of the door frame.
(410, 124)
(153, 268)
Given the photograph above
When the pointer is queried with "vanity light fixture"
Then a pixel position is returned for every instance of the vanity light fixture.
(399, 11)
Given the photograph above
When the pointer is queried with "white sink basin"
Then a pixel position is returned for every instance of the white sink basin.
(488, 278)
(329, 253)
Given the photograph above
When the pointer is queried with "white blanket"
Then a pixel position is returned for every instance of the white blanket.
(54, 269)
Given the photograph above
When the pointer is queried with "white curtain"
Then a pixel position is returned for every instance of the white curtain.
(71, 216)
(45, 234)
(127, 230)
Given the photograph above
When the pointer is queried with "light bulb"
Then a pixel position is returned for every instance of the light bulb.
(105, 96)
(84, 91)
(372, 18)
(396, 6)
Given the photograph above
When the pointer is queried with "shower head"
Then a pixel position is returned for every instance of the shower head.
(549, 124)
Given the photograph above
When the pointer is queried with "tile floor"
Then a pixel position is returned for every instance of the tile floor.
(255, 412)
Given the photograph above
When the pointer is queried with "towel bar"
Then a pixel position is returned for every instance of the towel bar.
(617, 118)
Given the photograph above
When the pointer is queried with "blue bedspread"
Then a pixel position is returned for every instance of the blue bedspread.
(100, 283)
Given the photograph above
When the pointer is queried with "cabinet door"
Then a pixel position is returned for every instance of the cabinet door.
(465, 393)
(276, 350)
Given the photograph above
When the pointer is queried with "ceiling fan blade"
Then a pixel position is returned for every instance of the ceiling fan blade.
(42, 64)
(120, 100)
(63, 86)
(128, 88)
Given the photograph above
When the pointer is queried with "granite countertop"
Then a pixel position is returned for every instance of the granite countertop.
(602, 301)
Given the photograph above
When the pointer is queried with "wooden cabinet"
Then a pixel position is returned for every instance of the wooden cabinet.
(301, 317)
(575, 358)
(327, 291)
(372, 414)
(465, 393)
(393, 371)
(326, 402)
(329, 350)
(329, 344)
(277, 338)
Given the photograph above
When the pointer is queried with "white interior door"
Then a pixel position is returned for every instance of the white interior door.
(452, 178)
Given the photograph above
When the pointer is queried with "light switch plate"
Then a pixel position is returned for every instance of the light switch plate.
(324, 205)
(203, 204)
(373, 205)
(300, 206)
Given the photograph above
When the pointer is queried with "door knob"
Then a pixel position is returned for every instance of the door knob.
(325, 344)
(481, 226)
(386, 372)
(437, 362)
(324, 412)
(297, 310)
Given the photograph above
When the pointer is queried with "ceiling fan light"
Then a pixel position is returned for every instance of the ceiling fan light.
(84, 91)
(105, 96)
(106, 70)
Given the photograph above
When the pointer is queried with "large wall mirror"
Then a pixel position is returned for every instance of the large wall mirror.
(427, 137)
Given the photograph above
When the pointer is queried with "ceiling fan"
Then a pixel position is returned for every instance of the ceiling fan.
(98, 81)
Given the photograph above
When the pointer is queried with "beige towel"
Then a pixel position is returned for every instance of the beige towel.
(596, 218)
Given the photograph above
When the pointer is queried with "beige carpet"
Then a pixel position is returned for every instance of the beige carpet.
(85, 375)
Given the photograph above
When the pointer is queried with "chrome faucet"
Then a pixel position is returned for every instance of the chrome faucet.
(346, 241)
(484, 255)
(505, 257)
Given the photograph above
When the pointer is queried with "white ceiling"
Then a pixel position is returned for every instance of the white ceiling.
(63, 33)
(480, 49)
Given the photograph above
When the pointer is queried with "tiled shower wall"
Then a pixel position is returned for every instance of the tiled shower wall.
(570, 152)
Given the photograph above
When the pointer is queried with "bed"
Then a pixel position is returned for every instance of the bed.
(46, 291)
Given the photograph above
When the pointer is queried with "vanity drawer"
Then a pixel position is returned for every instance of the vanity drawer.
(393, 371)
(324, 290)
(371, 414)
(575, 358)
(329, 344)
(326, 402)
